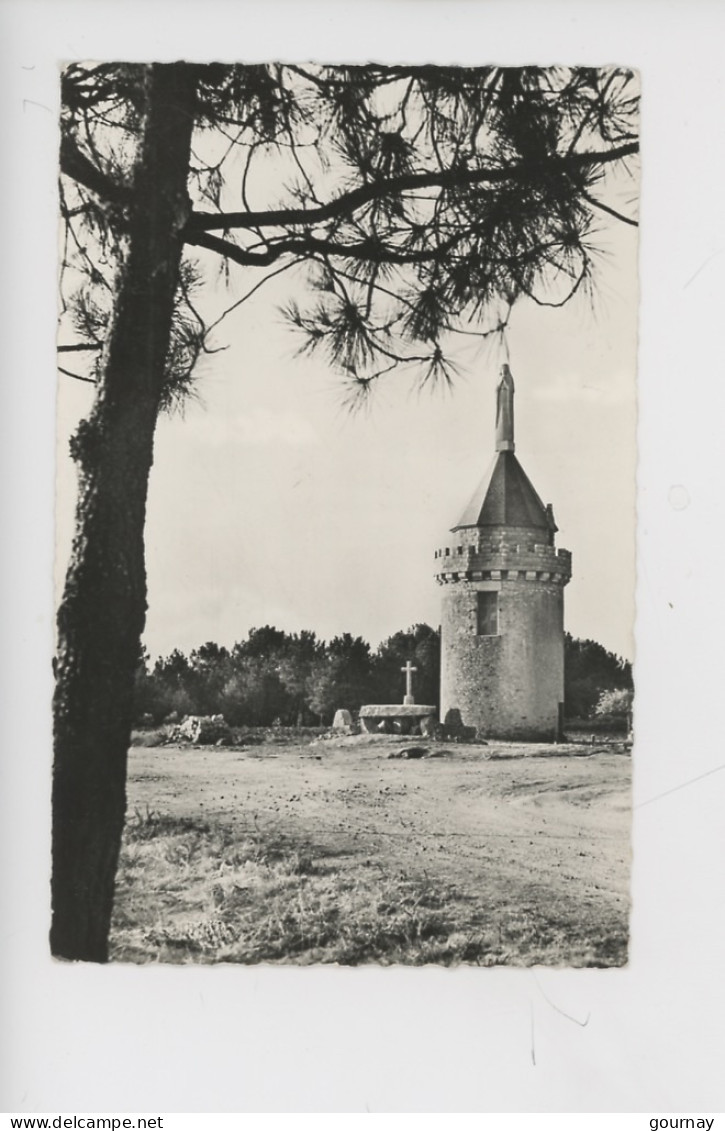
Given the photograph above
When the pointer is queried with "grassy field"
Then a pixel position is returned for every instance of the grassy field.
(342, 852)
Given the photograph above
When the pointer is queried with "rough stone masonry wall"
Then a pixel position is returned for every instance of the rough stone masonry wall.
(509, 685)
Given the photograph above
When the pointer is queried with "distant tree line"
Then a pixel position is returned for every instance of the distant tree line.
(591, 676)
(297, 679)
(291, 678)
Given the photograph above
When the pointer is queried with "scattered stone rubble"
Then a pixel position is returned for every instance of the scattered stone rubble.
(202, 730)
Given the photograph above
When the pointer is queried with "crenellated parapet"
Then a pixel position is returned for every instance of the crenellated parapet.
(483, 559)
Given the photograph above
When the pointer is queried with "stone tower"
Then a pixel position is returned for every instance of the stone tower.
(502, 647)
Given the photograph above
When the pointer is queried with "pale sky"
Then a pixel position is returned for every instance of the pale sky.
(270, 504)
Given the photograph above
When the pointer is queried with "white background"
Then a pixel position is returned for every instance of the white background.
(232, 1039)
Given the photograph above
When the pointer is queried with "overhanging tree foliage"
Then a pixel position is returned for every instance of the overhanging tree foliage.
(416, 204)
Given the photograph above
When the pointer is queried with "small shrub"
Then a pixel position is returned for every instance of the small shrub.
(615, 704)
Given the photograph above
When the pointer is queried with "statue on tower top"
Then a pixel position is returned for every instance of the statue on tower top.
(505, 412)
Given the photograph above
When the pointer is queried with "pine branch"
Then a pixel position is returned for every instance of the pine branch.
(349, 202)
(77, 376)
(75, 164)
(612, 211)
(366, 250)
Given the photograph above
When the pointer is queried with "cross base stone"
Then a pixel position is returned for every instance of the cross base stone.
(408, 715)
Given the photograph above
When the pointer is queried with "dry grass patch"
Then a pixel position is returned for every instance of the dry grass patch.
(197, 890)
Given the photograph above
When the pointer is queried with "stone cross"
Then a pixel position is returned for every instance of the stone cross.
(408, 669)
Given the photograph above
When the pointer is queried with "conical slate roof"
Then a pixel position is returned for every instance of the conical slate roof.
(506, 497)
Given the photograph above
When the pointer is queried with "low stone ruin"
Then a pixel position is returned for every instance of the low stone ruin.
(202, 730)
(398, 718)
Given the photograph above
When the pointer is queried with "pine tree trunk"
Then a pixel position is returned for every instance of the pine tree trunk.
(103, 610)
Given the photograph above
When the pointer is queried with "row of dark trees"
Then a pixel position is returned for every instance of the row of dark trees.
(298, 679)
(590, 672)
(291, 678)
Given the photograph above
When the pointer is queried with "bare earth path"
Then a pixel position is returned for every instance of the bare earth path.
(337, 853)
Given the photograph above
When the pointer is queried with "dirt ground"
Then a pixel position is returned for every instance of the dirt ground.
(528, 844)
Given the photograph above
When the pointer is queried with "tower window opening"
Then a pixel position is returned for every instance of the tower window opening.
(487, 614)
